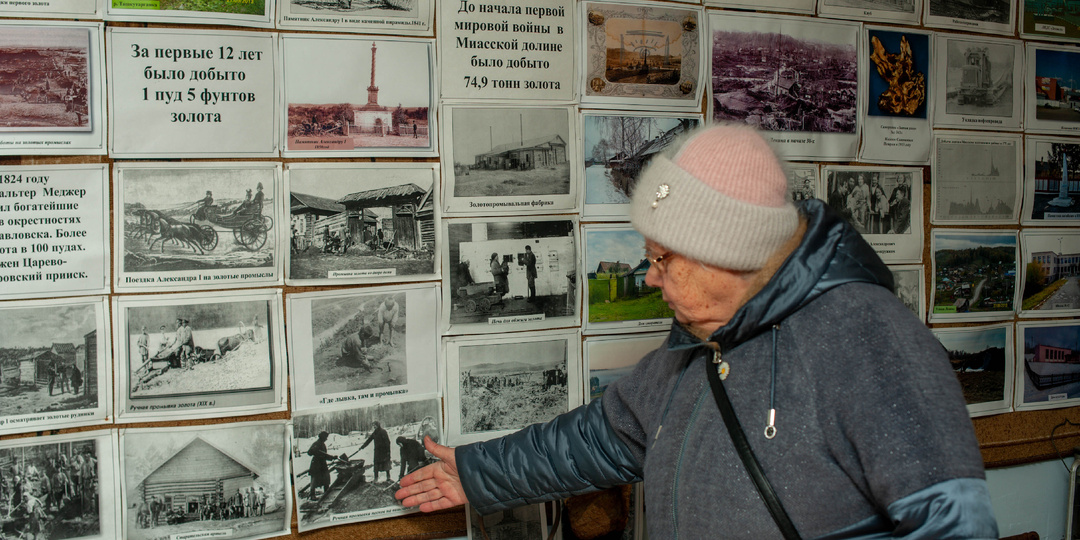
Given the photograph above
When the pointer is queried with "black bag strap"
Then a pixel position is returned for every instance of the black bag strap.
(738, 438)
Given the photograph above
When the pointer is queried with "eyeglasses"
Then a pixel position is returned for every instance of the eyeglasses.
(660, 260)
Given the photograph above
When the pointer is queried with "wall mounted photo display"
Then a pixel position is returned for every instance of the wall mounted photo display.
(1051, 181)
(358, 345)
(805, 7)
(511, 51)
(489, 284)
(362, 222)
(1050, 100)
(252, 13)
(803, 180)
(1047, 370)
(54, 104)
(333, 450)
(54, 235)
(1049, 260)
(978, 82)
(206, 481)
(176, 93)
(616, 297)
(976, 178)
(68, 486)
(522, 523)
(767, 74)
(617, 147)
(884, 204)
(207, 355)
(70, 9)
(975, 275)
(910, 283)
(1054, 21)
(351, 96)
(897, 105)
(402, 17)
(893, 11)
(983, 358)
(608, 358)
(57, 371)
(984, 16)
(189, 226)
(642, 55)
(499, 384)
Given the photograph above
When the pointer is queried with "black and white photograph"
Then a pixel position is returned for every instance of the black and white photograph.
(978, 82)
(618, 299)
(896, 11)
(356, 345)
(1047, 365)
(60, 486)
(974, 275)
(638, 54)
(521, 523)
(976, 178)
(52, 79)
(205, 355)
(219, 481)
(1051, 102)
(802, 180)
(184, 226)
(1051, 275)
(617, 148)
(55, 364)
(787, 6)
(362, 222)
(909, 281)
(347, 463)
(883, 203)
(354, 97)
(402, 17)
(1051, 181)
(502, 274)
(983, 359)
(510, 160)
(793, 77)
(984, 16)
(498, 385)
(897, 106)
(608, 358)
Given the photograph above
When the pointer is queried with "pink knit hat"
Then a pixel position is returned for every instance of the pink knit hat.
(721, 199)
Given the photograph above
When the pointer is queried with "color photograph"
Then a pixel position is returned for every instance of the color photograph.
(1052, 181)
(1048, 365)
(615, 268)
(982, 358)
(1051, 272)
(974, 275)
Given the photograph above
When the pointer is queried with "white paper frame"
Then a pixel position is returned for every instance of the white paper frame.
(34, 192)
(1053, 250)
(1046, 26)
(532, 375)
(964, 163)
(942, 239)
(949, 63)
(46, 323)
(337, 20)
(325, 83)
(598, 92)
(1047, 397)
(1036, 149)
(805, 7)
(607, 200)
(249, 120)
(240, 443)
(501, 124)
(179, 187)
(68, 9)
(956, 20)
(600, 243)
(796, 145)
(420, 342)
(892, 248)
(868, 10)
(189, 404)
(608, 358)
(179, 16)
(88, 142)
(888, 138)
(986, 336)
(333, 181)
(910, 283)
(1034, 104)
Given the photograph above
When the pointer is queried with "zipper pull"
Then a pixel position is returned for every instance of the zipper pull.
(722, 367)
(770, 429)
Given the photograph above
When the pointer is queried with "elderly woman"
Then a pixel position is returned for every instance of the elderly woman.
(785, 324)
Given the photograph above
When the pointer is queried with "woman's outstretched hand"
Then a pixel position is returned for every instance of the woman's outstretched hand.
(436, 486)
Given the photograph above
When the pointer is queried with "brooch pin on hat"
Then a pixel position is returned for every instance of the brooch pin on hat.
(662, 192)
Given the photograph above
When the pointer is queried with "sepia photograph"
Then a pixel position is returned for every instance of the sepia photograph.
(54, 360)
(641, 54)
(1051, 274)
(982, 359)
(608, 358)
(978, 83)
(975, 275)
(910, 285)
(1047, 365)
(348, 463)
(499, 385)
(1051, 102)
(989, 16)
(1052, 167)
(45, 73)
(976, 179)
(357, 344)
(884, 204)
(362, 222)
(617, 148)
(504, 273)
(349, 96)
(225, 480)
(618, 298)
(59, 487)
